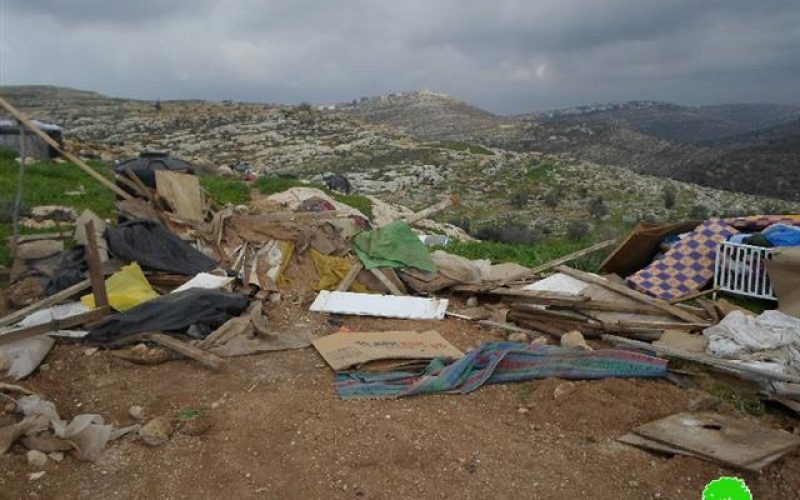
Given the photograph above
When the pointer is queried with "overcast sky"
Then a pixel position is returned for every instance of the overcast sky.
(504, 55)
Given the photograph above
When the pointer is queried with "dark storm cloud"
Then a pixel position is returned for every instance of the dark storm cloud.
(506, 55)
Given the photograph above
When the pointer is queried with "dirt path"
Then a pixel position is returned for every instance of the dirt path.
(277, 430)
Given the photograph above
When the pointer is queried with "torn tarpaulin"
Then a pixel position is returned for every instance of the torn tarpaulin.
(500, 362)
(392, 245)
(154, 247)
(206, 309)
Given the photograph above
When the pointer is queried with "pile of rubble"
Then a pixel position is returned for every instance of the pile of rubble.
(182, 277)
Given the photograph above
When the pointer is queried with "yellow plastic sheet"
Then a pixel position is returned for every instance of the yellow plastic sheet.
(332, 270)
(126, 288)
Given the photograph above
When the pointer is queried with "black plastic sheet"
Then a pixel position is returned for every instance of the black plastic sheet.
(202, 309)
(153, 247)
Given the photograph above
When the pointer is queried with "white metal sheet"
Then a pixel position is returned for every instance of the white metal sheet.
(385, 306)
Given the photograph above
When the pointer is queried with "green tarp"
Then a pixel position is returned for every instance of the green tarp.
(392, 245)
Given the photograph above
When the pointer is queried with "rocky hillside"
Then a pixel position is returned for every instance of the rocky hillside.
(427, 115)
(704, 145)
(671, 122)
(541, 191)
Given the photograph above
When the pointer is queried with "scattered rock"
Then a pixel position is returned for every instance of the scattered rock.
(563, 390)
(136, 412)
(156, 432)
(275, 298)
(518, 337)
(575, 340)
(90, 350)
(33, 476)
(472, 302)
(543, 340)
(523, 409)
(36, 458)
(196, 426)
(56, 456)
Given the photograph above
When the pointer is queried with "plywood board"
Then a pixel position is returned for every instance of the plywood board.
(385, 306)
(182, 192)
(731, 441)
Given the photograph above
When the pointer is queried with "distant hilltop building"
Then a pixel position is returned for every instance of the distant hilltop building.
(35, 147)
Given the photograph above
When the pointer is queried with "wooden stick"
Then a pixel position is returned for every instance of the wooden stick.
(15, 388)
(386, 282)
(350, 277)
(695, 295)
(700, 358)
(575, 255)
(66, 154)
(629, 292)
(96, 275)
(7, 336)
(205, 358)
(424, 214)
(46, 302)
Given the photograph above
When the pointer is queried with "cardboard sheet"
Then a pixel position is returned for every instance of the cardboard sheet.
(182, 192)
(385, 306)
(345, 350)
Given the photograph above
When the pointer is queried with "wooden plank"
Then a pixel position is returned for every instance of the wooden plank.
(658, 325)
(702, 359)
(15, 335)
(629, 292)
(205, 358)
(386, 282)
(695, 295)
(182, 192)
(66, 154)
(350, 277)
(96, 275)
(731, 441)
(542, 296)
(16, 316)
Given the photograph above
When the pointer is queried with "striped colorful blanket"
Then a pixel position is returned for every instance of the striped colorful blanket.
(496, 363)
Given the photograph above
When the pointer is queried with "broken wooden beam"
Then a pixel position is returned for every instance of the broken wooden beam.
(205, 358)
(350, 277)
(96, 275)
(386, 282)
(20, 314)
(14, 335)
(575, 255)
(629, 292)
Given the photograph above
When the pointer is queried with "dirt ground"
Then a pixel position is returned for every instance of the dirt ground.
(272, 427)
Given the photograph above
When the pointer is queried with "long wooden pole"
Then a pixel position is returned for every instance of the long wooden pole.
(18, 198)
(66, 154)
(629, 292)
